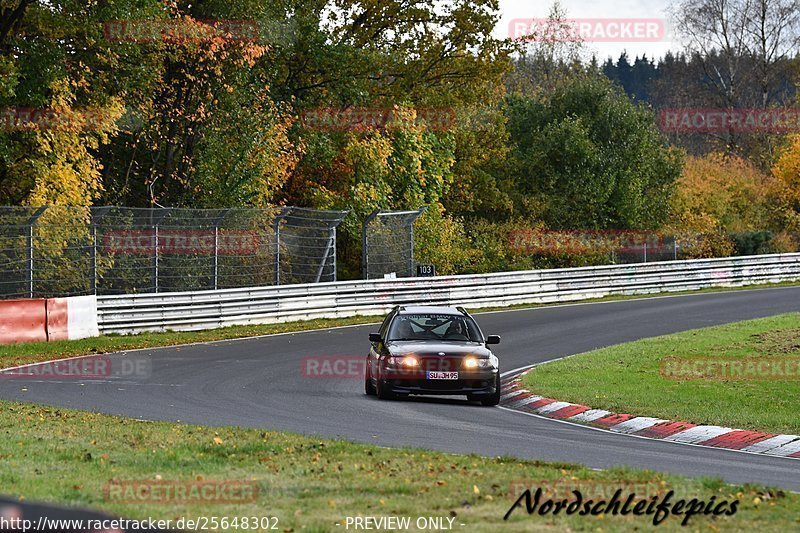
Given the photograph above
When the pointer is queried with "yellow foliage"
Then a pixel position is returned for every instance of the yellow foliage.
(787, 173)
(442, 241)
(62, 168)
(722, 193)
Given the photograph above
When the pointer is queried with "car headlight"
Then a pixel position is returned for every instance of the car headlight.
(407, 361)
(473, 363)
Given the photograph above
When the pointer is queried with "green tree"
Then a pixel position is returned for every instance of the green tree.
(587, 157)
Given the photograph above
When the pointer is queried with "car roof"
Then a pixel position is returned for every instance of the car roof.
(434, 310)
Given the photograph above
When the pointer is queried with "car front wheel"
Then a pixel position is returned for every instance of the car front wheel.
(384, 392)
(494, 399)
(369, 388)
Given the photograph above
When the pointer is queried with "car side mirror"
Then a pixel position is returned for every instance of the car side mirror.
(493, 339)
(375, 337)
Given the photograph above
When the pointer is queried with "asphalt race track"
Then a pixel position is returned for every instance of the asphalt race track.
(260, 383)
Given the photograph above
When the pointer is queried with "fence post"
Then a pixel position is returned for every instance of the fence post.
(645, 251)
(333, 230)
(411, 235)
(95, 214)
(155, 258)
(31, 222)
(30, 260)
(93, 274)
(331, 243)
(411, 248)
(674, 248)
(284, 212)
(215, 259)
(163, 212)
(364, 251)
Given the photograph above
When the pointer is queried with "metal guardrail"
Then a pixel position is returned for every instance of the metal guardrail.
(262, 305)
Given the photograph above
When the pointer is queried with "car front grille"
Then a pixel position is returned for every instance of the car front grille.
(442, 385)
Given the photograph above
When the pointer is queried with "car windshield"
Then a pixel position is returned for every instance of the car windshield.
(425, 327)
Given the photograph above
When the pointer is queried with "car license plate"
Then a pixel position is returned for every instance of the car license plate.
(442, 375)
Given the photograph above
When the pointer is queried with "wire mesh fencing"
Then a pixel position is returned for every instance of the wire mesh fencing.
(65, 251)
(388, 243)
(662, 248)
(597, 246)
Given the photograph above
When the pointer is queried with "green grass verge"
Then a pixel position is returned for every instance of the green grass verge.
(68, 457)
(18, 354)
(627, 379)
(31, 352)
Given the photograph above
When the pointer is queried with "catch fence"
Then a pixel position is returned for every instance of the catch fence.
(387, 243)
(67, 251)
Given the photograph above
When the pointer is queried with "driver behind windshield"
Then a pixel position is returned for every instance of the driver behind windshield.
(420, 328)
(403, 331)
(456, 331)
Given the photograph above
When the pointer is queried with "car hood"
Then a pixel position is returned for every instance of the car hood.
(399, 348)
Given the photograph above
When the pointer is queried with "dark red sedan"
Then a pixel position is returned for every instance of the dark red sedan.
(432, 350)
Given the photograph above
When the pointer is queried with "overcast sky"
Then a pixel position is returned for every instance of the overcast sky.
(579, 9)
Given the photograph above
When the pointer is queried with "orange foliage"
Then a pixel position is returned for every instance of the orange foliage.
(723, 193)
(787, 173)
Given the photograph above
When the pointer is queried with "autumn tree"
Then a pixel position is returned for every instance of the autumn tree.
(55, 117)
(787, 172)
(743, 48)
(722, 192)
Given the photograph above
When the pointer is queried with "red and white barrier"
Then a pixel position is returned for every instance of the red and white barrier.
(23, 321)
(82, 317)
(48, 319)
